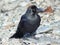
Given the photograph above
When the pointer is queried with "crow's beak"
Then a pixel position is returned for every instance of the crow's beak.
(40, 10)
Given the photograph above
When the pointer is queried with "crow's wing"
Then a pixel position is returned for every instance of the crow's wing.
(21, 23)
(19, 32)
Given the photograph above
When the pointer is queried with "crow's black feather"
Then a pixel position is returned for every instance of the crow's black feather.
(29, 22)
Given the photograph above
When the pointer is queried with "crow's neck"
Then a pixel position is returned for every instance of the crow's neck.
(31, 13)
(34, 13)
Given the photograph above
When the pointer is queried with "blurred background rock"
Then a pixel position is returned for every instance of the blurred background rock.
(48, 32)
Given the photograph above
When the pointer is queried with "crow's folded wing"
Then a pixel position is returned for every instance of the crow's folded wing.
(21, 23)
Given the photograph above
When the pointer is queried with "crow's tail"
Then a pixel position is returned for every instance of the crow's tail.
(17, 35)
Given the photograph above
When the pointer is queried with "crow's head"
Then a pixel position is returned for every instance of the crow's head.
(33, 9)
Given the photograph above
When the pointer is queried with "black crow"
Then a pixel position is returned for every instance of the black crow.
(29, 22)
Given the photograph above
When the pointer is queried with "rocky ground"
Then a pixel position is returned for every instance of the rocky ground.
(48, 32)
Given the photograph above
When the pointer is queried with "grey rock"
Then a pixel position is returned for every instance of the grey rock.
(11, 12)
(42, 29)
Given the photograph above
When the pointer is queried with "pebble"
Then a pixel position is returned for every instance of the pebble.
(23, 4)
(56, 32)
(42, 29)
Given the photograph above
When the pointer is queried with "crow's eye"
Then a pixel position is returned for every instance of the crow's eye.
(33, 7)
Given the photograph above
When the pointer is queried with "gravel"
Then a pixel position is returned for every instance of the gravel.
(48, 32)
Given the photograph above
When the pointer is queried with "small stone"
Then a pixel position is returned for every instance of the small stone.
(0, 39)
(31, 0)
(6, 14)
(56, 32)
(39, 35)
(56, 16)
(49, 9)
(26, 42)
(48, 44)
(28, 0)
(2, 11)
(23, 4)
(42, 29)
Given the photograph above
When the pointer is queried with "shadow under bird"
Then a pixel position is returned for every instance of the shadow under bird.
(29, 22)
